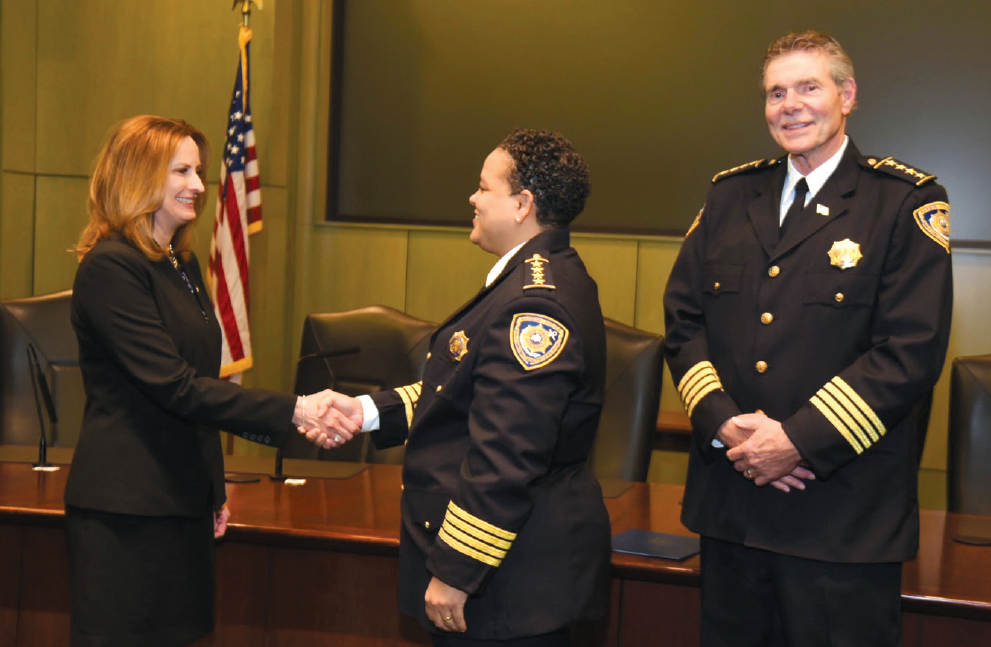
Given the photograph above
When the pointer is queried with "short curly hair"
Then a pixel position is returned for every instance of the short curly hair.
(548, 166)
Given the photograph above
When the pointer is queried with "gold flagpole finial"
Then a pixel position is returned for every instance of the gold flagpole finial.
(246, 8)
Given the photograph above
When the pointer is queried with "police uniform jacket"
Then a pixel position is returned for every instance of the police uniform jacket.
(497, 501)
(149, 352)
(837, 330)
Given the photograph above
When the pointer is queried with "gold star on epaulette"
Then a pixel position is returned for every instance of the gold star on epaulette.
(539, 274)
(749, 166)
(892, 166)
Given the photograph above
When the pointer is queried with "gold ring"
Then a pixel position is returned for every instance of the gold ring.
(337, 439)
(448, 618)
(748, 475)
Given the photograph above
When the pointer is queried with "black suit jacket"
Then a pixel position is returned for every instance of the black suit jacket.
(837, 330)
(497, 500)
(149, 352)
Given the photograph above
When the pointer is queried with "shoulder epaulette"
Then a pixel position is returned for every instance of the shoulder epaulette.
(891, 166)
(538, 274)
(749, 166)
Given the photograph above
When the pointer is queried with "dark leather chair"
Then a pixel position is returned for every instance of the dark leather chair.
(967, 473)
(634, 364)
(42, 321)
(391, 350)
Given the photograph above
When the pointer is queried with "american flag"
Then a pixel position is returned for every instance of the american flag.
(239, 213)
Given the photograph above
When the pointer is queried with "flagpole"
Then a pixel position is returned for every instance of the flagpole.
(246, 9)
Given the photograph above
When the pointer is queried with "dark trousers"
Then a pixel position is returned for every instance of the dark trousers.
(753, 597)
(556, 639)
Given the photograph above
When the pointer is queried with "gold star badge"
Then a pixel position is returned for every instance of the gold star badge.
(845, 254)
(458, 345)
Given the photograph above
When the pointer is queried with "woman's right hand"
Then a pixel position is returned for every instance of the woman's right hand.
(331, 419)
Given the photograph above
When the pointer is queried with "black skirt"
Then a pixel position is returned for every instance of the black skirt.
(138, 580)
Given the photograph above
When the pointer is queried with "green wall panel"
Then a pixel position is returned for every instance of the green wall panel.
(60, 217)
(16, 235)
(445, 270)
(269, 267)
(102, 61)
(19, 90)
(654, 262)
(613, 265)
(352, 268)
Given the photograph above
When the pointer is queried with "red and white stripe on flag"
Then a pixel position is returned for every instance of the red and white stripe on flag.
(238, 215)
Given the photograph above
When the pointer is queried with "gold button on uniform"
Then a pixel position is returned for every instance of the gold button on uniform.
(715, 286)
(761, 366)
(426, 524)
(428, 355)
(838, 297)
(439, 387)
(766, 318)
(773, 271)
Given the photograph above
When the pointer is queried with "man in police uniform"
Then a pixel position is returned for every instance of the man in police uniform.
(505, 535)
(801, 339)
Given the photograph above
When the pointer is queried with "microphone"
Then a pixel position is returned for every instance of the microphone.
(325, 354)
(40, 383)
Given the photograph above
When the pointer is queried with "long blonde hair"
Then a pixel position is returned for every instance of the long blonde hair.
(128, 184)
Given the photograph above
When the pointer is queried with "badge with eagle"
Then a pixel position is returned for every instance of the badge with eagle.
(537, 340)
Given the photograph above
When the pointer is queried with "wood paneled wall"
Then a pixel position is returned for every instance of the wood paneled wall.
(69, 71)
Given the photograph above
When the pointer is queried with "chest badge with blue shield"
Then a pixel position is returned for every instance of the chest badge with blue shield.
(844, 254)
(536, 339)
(458, 345)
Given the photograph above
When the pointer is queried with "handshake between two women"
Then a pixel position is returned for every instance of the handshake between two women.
(328, 419)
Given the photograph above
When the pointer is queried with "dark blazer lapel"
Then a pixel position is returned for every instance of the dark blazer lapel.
(826, 206)
(764, 211)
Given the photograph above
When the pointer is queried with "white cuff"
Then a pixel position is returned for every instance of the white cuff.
(370, 412)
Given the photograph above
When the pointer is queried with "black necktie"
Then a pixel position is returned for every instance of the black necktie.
(797, 205)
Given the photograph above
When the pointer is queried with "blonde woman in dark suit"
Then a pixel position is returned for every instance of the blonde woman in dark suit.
(145, 496)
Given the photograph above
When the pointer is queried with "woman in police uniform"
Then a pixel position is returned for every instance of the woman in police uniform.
(505, 535)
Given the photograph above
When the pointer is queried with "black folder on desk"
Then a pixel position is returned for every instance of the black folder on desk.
(655, 544)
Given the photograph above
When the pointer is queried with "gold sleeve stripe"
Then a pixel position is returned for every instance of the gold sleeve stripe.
(409, 394)
(692, 372)
(863, 422)
(467, 550)
(474, 542)
(704, 382)
(840, 427)
(850, 424)
(870, 418)
(698, 382)
(454, 521)
(849, 413)
(452, 508)
(708, 388)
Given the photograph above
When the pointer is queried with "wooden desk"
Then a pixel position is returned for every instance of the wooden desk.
(315, 564)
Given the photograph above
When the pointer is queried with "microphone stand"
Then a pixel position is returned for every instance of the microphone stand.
(40, 383)
(327, 354)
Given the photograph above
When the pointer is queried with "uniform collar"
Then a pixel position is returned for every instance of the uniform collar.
(501, 264)
(816, 179)
(552, 240)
